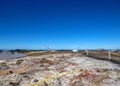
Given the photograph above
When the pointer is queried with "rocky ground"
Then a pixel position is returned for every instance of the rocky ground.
(66, 69)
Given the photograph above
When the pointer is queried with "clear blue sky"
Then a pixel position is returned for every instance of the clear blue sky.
(59, 24)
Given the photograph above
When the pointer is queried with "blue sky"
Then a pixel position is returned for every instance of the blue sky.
(59, 24)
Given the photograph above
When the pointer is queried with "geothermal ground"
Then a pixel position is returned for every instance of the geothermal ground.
(64, 69)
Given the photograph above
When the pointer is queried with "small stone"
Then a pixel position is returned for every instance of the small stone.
(11, 72)
(35, 80)
(14, 83)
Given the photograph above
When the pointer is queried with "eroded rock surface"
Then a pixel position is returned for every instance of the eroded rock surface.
(59, 70)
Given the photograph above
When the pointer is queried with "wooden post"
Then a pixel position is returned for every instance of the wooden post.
(109, 55)
(86, 51)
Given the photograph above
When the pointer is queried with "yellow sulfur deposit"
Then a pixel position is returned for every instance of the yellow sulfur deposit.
(48, 77)
(76, 71)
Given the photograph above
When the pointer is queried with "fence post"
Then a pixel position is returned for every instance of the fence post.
(109, 55)
(86, 51)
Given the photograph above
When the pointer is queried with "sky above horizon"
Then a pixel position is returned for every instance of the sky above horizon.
(59, 24)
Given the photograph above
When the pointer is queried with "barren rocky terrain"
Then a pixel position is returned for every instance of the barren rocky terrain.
(60, 69)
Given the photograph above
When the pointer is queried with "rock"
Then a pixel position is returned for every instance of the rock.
(11, 72)
(19, 61)
(35, 80)
(26, 75)
(14, 83)
(113, 75)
